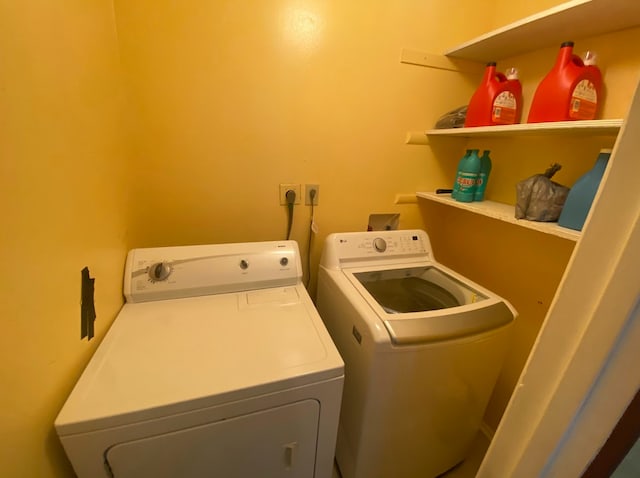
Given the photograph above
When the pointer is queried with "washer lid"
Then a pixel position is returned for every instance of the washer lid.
(428, 303)
(166, 357)
(416, 289)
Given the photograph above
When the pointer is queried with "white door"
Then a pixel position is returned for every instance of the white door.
(279, 442)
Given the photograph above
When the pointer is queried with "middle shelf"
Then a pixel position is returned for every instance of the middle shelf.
(502, 212)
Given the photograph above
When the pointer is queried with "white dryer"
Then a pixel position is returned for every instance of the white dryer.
(422, 345)
(217, 365)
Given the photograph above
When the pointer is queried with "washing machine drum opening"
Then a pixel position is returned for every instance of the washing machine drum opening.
(414, 289)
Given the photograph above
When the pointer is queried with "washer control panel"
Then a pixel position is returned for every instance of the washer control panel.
(187, 271)
(375, 245)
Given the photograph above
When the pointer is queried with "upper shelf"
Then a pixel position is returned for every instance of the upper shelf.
(568, 21)
(609, 127)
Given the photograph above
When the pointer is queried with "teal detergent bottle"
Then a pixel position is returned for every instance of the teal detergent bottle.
(582, 194)
(456, 186)
(483, 176)
(467, 176)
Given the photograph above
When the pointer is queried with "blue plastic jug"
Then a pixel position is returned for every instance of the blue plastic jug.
(581, 196)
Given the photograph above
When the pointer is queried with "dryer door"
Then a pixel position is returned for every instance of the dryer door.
(275, 442)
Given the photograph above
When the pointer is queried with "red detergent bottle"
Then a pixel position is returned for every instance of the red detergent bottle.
(570, 91)
(498, 99)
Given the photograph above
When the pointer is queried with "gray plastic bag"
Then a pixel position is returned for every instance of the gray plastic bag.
(452, 119)
(540, 199)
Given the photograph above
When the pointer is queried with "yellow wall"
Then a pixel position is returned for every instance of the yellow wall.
(64, 206)
(174, 122)
(505, 12)
(234, 98)
(227, 101)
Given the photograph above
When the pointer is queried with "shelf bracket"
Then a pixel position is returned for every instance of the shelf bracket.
(440, 62)
(416, 137)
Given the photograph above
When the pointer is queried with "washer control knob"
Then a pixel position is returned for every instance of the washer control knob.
(159, 271)
(244, 265)
(284, 261)
(379, 244)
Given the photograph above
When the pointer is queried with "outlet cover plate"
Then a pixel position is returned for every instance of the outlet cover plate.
(284, 187)
(307, 194)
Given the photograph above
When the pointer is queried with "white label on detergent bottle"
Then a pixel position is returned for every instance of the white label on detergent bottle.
(504, 108)
(584, 101)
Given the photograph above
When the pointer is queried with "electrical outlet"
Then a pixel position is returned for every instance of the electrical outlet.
(307, 194)
(283, 193)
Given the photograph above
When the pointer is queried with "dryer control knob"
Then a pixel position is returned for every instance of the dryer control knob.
(159, 271)
(379, 244)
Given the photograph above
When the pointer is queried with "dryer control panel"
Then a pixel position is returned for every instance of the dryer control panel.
(344, 248)
(186, 271)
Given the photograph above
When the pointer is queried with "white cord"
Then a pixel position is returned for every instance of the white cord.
(313, 229)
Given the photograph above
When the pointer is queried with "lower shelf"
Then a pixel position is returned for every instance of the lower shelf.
(502, 212)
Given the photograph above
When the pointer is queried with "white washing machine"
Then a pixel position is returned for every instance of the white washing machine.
(217, 365)
(422, 347)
